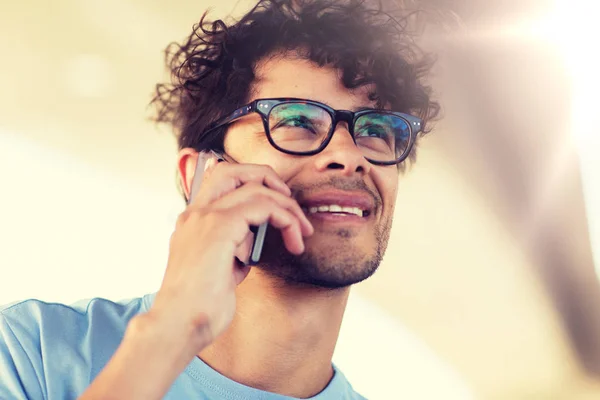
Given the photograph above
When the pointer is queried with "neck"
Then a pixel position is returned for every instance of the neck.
(281, 339)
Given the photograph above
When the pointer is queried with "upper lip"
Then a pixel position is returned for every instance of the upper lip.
(342, 198)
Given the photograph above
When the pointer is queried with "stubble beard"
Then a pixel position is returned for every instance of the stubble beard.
(331, 266)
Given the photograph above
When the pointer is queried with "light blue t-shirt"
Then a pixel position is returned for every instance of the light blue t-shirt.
(54, 351)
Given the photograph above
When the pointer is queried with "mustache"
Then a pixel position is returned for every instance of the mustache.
(335, 182)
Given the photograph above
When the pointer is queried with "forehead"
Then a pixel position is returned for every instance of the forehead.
(293, 76)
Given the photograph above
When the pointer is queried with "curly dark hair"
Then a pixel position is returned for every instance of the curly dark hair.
(213, 70)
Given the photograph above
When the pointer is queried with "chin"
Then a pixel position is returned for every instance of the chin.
(331, 268)
(339, 260)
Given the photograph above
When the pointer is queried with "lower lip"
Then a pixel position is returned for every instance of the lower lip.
(337, 218)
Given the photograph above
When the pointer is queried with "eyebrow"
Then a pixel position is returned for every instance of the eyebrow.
(357, 109)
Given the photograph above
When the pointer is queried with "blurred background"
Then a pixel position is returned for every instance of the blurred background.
(488, 289)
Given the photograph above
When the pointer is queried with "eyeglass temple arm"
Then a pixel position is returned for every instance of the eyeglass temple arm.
(240, 112)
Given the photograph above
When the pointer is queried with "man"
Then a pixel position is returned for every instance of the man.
(313, 106)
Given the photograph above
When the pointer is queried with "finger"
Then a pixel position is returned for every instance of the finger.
(266, 210)
(244, 249)
(222, 178)
(240, 273)
(255, 192)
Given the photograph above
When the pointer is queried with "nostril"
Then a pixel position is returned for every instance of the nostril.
(335, 166)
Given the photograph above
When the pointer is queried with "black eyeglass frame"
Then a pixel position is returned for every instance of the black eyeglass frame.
(263, 107)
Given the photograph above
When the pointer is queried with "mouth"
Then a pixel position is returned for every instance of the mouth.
(336, 209)
(338, 205)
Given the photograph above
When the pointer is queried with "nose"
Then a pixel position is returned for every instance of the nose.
(342, 154)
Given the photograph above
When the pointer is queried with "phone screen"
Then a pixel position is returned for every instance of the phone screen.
(258, 231)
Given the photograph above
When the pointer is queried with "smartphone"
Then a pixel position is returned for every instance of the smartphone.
(259, 231)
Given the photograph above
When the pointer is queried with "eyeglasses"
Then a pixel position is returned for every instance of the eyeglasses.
(305, 127)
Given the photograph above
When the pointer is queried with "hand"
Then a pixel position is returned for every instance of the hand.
(198, 290)
(196, 301)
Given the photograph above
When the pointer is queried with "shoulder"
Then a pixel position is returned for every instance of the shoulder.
(54, 346)
(38, 320)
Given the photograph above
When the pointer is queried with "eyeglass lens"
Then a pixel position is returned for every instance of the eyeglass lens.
(302, 127)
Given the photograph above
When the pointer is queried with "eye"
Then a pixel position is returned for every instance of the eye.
(372, 130)
(297, 121)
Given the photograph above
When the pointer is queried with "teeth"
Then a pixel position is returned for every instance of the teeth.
(334, 208)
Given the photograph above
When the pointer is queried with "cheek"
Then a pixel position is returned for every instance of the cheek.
(387, 184)
(253, 150)
(286, 166)
(246, 146)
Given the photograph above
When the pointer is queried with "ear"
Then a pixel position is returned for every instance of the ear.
(186, 166)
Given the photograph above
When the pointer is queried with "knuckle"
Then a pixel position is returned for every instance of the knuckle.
(254, 186)
(263, 171)
(182, 218)
(262, 167)
(290, 203)
(194, 215)
(216, 221)
(190, 215)
(259, 190)
(267, 168)
(214, 216)
(264, 198)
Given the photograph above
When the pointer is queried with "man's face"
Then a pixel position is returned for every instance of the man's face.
(344, 249)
